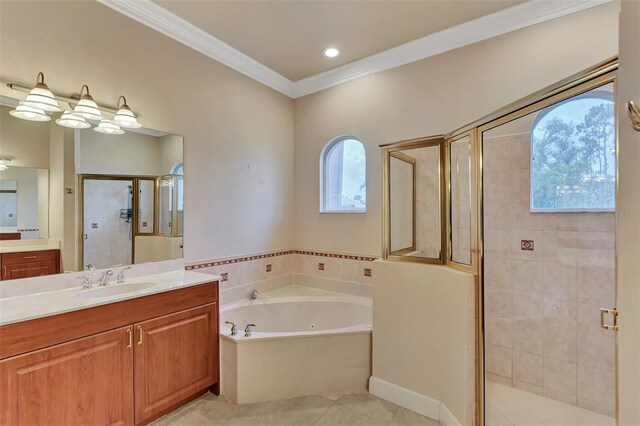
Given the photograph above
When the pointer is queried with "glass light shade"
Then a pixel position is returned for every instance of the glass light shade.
(73, 121)
(26, 112)
(3, 166)
(108, 128)
(125, 118)
(41, 97)
(88, 109)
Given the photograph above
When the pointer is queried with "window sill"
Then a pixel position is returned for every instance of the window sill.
(342, 211)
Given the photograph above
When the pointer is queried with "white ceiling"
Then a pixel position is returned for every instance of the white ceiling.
(280, 43)
(289, 36)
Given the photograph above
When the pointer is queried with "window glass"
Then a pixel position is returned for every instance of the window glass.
(573, 162)
(344, 186)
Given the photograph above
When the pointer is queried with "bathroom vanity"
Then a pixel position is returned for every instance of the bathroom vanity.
(122, 354)
(27, 264)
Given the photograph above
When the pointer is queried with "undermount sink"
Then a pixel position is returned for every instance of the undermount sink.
(112, 290)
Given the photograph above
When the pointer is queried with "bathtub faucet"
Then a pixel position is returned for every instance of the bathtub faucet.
(234, 328)
(254, 294)
(247, 330)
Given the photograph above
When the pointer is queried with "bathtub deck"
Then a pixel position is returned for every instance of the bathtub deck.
(349, 409)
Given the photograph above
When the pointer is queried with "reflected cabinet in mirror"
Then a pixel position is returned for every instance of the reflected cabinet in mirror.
(84, 199)
(413, 205)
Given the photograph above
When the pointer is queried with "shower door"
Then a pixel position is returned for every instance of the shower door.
(107, 214)
(549, 289)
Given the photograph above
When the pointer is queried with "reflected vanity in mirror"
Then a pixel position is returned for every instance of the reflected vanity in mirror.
(414, 200)
(70, 198)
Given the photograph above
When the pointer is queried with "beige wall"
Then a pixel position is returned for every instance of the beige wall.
(429, 97)
(434, 361)
(127, 154)
(26, 141)
(171, 147)
(238, 134)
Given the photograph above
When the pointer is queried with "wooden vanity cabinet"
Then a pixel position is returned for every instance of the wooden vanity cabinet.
(29, 264)
(86, 381)
(175, 356)
(159, 352)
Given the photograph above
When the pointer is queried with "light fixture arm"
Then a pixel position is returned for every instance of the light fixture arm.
(124, 102)
(40, 78)
(73, 99)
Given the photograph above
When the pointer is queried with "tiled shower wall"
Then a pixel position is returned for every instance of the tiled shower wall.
(542, 306)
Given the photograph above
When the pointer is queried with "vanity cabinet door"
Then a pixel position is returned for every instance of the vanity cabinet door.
(81, 382)
(28, 270)
(175, 357)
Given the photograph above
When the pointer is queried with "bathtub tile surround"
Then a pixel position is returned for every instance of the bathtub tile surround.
(343, 409)
(547, 275)
(241, 274)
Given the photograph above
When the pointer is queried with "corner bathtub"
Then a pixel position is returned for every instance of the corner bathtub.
(306, 342)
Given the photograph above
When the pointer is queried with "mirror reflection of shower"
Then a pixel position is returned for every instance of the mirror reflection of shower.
(127, 214)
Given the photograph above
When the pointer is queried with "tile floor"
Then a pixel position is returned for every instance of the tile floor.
(353, 409)
(507, 406)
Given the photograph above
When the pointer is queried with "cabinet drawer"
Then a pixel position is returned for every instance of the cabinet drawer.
(28, 270)
(29, 257)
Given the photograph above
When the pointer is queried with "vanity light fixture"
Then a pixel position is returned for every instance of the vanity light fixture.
(331, 52)
(40, 97)
(73, 121)
(87, 107)
(3, 164)
(108, 128)
(125, 117)
(26, 112)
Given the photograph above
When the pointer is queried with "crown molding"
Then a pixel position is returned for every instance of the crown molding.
(511, 19)
(154, 16)
(504, 21)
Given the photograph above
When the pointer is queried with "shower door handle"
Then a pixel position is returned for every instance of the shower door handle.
(614, 313)
(634, 115)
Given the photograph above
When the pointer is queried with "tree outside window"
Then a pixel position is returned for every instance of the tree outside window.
(573, 161)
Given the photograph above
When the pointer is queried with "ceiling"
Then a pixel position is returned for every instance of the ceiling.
(280, 43)
(289, 36)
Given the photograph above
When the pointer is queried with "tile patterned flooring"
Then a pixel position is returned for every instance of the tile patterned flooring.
(507, 406)
(354, 409)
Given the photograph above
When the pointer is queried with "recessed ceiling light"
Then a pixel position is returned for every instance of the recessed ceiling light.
(331, 52)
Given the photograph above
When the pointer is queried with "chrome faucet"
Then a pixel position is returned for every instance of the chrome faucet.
(86, 281)
(254, 294)
(234, 328)
(247, 330)
(104, 279)
(120, 278)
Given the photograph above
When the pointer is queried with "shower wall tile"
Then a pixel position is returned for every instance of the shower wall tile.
(596, 351)
(527, 368)
(560, 376)
(499, 360)
(542, 306)
(596, 388)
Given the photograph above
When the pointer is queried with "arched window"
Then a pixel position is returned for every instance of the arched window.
(178, 169)
(343, 176)
(573, 154)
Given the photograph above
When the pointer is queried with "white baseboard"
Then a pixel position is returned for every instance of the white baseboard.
(414, 401)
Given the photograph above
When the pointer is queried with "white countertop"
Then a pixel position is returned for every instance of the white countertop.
(42, 304)
(15, 246)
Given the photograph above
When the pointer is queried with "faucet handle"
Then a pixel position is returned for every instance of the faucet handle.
(86, 281)
(90, 267)
(120, 277)
(234, 328)
(247, 330)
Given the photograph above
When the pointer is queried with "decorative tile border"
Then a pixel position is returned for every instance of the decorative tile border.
(27, 230)
(240, 259)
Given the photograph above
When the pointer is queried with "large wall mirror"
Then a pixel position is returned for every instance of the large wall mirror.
(101, 200)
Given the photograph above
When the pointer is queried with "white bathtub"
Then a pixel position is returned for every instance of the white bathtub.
(306, 342)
